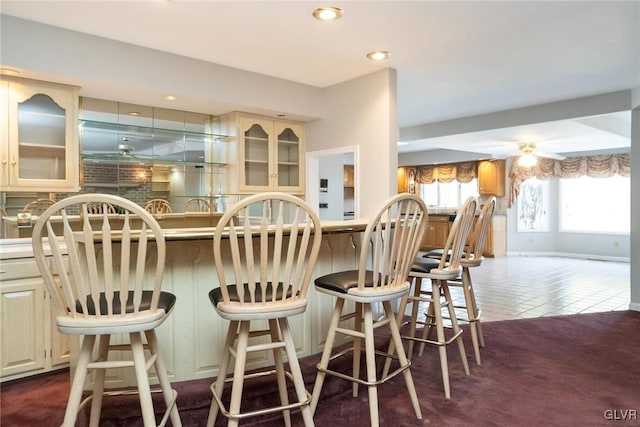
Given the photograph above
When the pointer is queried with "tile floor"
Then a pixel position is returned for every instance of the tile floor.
(515, 287)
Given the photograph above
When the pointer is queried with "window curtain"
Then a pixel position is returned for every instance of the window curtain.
(599, 166)
(462, 172)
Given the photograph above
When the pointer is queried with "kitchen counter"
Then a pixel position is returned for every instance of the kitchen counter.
(21, 247)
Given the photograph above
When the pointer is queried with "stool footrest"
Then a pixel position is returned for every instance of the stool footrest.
(264, 411)
(129, 392)
(358, 380)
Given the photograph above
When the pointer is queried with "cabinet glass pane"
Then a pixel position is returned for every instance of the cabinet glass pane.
(288, 158)
(41, 136)
(256, 156)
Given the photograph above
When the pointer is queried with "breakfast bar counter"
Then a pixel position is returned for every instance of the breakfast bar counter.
(193, 334)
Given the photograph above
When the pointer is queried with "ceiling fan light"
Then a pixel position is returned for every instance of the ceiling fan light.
(527, 160)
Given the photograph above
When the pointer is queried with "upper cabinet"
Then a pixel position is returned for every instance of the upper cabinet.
(407, 180)
(491, 178)
(270, 153)
(39, 141)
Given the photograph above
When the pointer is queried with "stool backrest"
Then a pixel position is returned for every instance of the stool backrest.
(480, 231)
(109, 259)
(196, 204)
(38, 206)
(98, 208)
(158, 206)
(457, 238)
(270, 238)
(391, 242)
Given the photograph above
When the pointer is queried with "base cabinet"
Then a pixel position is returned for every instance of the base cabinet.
(437, 232)
(30, 341)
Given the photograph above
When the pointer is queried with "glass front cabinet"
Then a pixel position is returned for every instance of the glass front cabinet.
(39, 140)
(270, 153)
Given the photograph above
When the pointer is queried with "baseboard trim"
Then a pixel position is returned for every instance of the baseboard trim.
(635, 306)
(571, 255)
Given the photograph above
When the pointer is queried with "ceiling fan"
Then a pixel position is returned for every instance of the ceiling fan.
(529, 153)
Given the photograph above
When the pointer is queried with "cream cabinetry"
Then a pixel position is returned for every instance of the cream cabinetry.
(491, 178)
(270, 153)
(30, 341)
(39, 139)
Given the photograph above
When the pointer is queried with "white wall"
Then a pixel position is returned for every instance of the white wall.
(635, 201)
(124, 72)
(362, 112)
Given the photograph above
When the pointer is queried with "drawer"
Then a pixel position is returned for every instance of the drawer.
(18, 269)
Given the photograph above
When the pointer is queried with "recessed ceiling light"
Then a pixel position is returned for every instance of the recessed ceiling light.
(133, 113)
(328, 13)
(170, 98)
(378, 55)
(9, 72)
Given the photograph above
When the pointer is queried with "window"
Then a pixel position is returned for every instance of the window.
(533, 206)
(595, 205)
(448, 194)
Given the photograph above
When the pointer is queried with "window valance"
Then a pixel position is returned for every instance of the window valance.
(599, 166)
(462, 172)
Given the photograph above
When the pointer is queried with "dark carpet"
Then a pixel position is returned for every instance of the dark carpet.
(577, 370)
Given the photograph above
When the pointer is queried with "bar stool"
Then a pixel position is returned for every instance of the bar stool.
(473, 257)
(197, 204)
(390, 244)
(438, 297)
(264, 248)
(158, 206)
(109, 283)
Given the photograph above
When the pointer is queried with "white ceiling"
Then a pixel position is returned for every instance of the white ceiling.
(454, 58)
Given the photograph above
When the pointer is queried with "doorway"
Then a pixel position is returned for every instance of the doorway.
(332, 188)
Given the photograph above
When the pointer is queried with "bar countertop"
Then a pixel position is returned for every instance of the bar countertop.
(21, 248)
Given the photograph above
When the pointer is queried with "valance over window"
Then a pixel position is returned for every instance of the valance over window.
(599, 166)
(462, 172)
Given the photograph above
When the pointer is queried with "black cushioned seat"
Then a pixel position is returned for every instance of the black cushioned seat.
(424, 265)
(343, 281)
(215, 295)
(167, 301)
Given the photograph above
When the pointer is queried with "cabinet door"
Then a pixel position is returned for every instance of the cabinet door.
(491, 177)
(23, 336)
(256, 142)
(43, 143)
(4, 134)
(288, 157)
(436, 234)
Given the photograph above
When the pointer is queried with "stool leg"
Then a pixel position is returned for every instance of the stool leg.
(80, 374)
(471, 313)
(142, 378)
(357, 348)
(222, 371)
(402, 358)
(163, 378)
(326, 353)
(238, 372)
(454, 325)
(442, 348)
(392, 345)
(415, 303)
(98, 385)
(296, 372)
(371, 364)
(280, 375)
